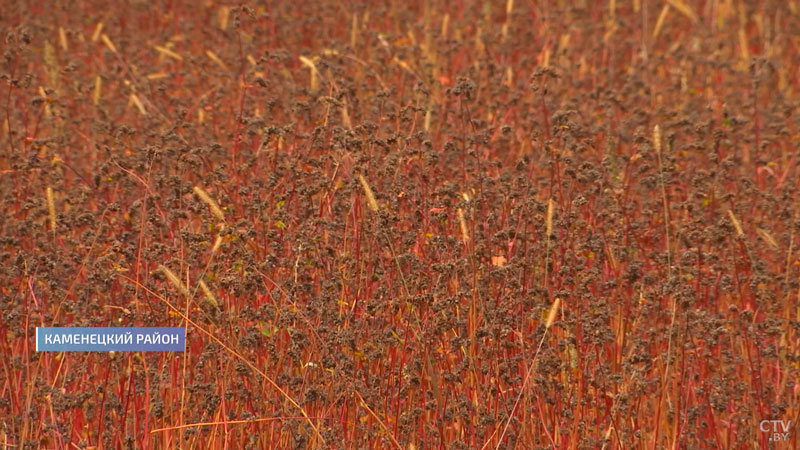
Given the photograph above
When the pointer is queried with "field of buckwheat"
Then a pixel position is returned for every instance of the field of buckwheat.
(419, 224)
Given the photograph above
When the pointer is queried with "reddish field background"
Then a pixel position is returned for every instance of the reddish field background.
(413, 224)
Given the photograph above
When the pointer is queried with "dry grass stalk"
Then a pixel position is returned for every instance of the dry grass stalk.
(373, 204)
(546, 57)
(509, 9)
(216, 423)
(428, 116)
(138, 103)
(736, 224)
(97, 30)
(660, 22)
(767, 236)
(207, 292)
(657, 138)
(463, 224)
(346, 116)
(224, 14)
(174, 281)
(51, 65)
(743, 45)
(51, 207)
(657, 146)
(212, 205)
(313, 81)
(551, 317)
(213, 57)
(47, 111)
(551, 206)
(378, 419)
(354, 31)
(232, 352)
(98, 86)
(167, 52)
(684, 9)
(62, 39)
(104, 37)
(217, 244)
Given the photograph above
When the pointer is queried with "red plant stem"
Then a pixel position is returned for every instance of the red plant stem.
(145, 442)
(543, 420)
(8, 108)
(102, 406)
(545, 115)
(123, 422)
(243, 87)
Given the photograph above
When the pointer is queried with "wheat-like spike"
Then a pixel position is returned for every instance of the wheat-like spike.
(346, 116)
(504, 29)
(657, 138)
(212, 205)
(223, 14)
(138, 103)
(373, 204)
(174, 280)
(551, 317)
(97, 30)
(736, 223)
(743, 44)
(767, 237)
(551, 206)
(354, 31)
(47, 111)
(51, 64)
(209, 295)
(62, 38)
(660, 22)
(463, 224)
(167, 52)
(217, 244)
(213, 56)
(684, 9)
(51, 207)
(106, 40)
(98, 86)
(608, 434)
(428, 116)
